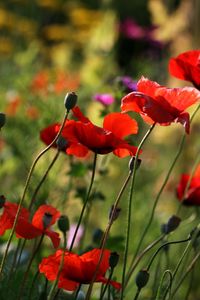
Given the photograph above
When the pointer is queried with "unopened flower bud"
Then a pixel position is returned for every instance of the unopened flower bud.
(97, 236)
(171, 225)
(114, 213)
(61, 143)
(142, 278)
(132, 162)
(2, 201)
(2, 120)
(63, 223)
(113, 260)
(47, 218)
(70, 100)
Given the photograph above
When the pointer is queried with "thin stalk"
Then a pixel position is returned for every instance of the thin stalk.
(86, 202)
(43, 179)
(107, 284)
(178, 265)
(137, 294)
(190, 285)
(25, 189)
(185, 274)
(167, 272)
(162, 188)
(130, 208)
(33, 283)
(140, 256)
(51, 293)
(105, 236)
(28, 268)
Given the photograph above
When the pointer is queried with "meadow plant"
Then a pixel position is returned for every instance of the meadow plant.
(73, 267)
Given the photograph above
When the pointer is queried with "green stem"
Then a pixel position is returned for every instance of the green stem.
(167, 272)
(32, 285)
(85, 202)
(137, 294)
(140, 256)
(51, 293)
(185, 274)
(130, 207)
(25, 189)
(28, 268)
(162, 188)
(107, 284)
(105, 236)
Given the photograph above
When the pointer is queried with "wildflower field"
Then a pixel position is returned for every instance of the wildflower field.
(99, 150)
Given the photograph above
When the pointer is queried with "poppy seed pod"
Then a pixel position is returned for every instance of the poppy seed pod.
(70, 100)
(61, 143)
(47, 218)
(97, 235)
(113, 260)
(2, 201)
(132, 161)
(142, 278)
(2, 120)
(63, 224)
(172, 224)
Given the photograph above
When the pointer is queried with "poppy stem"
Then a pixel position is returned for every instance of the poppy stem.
(33, 283)
(51, 293)
(185, 274)
(105, 236)
(26, 187)
(85, 202)
(107, 284)
(140, 256)
(130, 207)
(162, 188)
(167, 272)
(28, 267)
(43, 179)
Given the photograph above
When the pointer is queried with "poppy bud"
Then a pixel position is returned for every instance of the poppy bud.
(2, 120)
(97, 236)
(70, 100)
(142, 278)
(63, 223)
(61, 143)
(114, 214)
(2, 201)
(132, 161)
(47, 218)
(113, 260)
(171, 225)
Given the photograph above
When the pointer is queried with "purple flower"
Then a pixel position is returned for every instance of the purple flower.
(71, 235)
(132, 30)
(105, 99)
(128, 83)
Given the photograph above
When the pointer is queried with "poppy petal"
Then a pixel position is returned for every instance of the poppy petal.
(77, 149)
(115, 284)
(67, 284)
(37, 220)
(26, 230)
(120, 124)
(79, 115)
(54, 236)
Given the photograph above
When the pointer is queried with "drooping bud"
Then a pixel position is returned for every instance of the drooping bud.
(47, 218)
(142, 278)
(63, 223)
(113, 260)
(114, 213)
(97, 236)
(171, 225)
(132, 162)
(2, 120)
(2, 201)
(61, 143)
(70, 100)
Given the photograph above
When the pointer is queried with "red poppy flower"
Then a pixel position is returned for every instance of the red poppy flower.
(192, 196)
(83, 135)
(186, 66)
(44, 217)
(8, 216)
(77, 269)
(158, 104)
